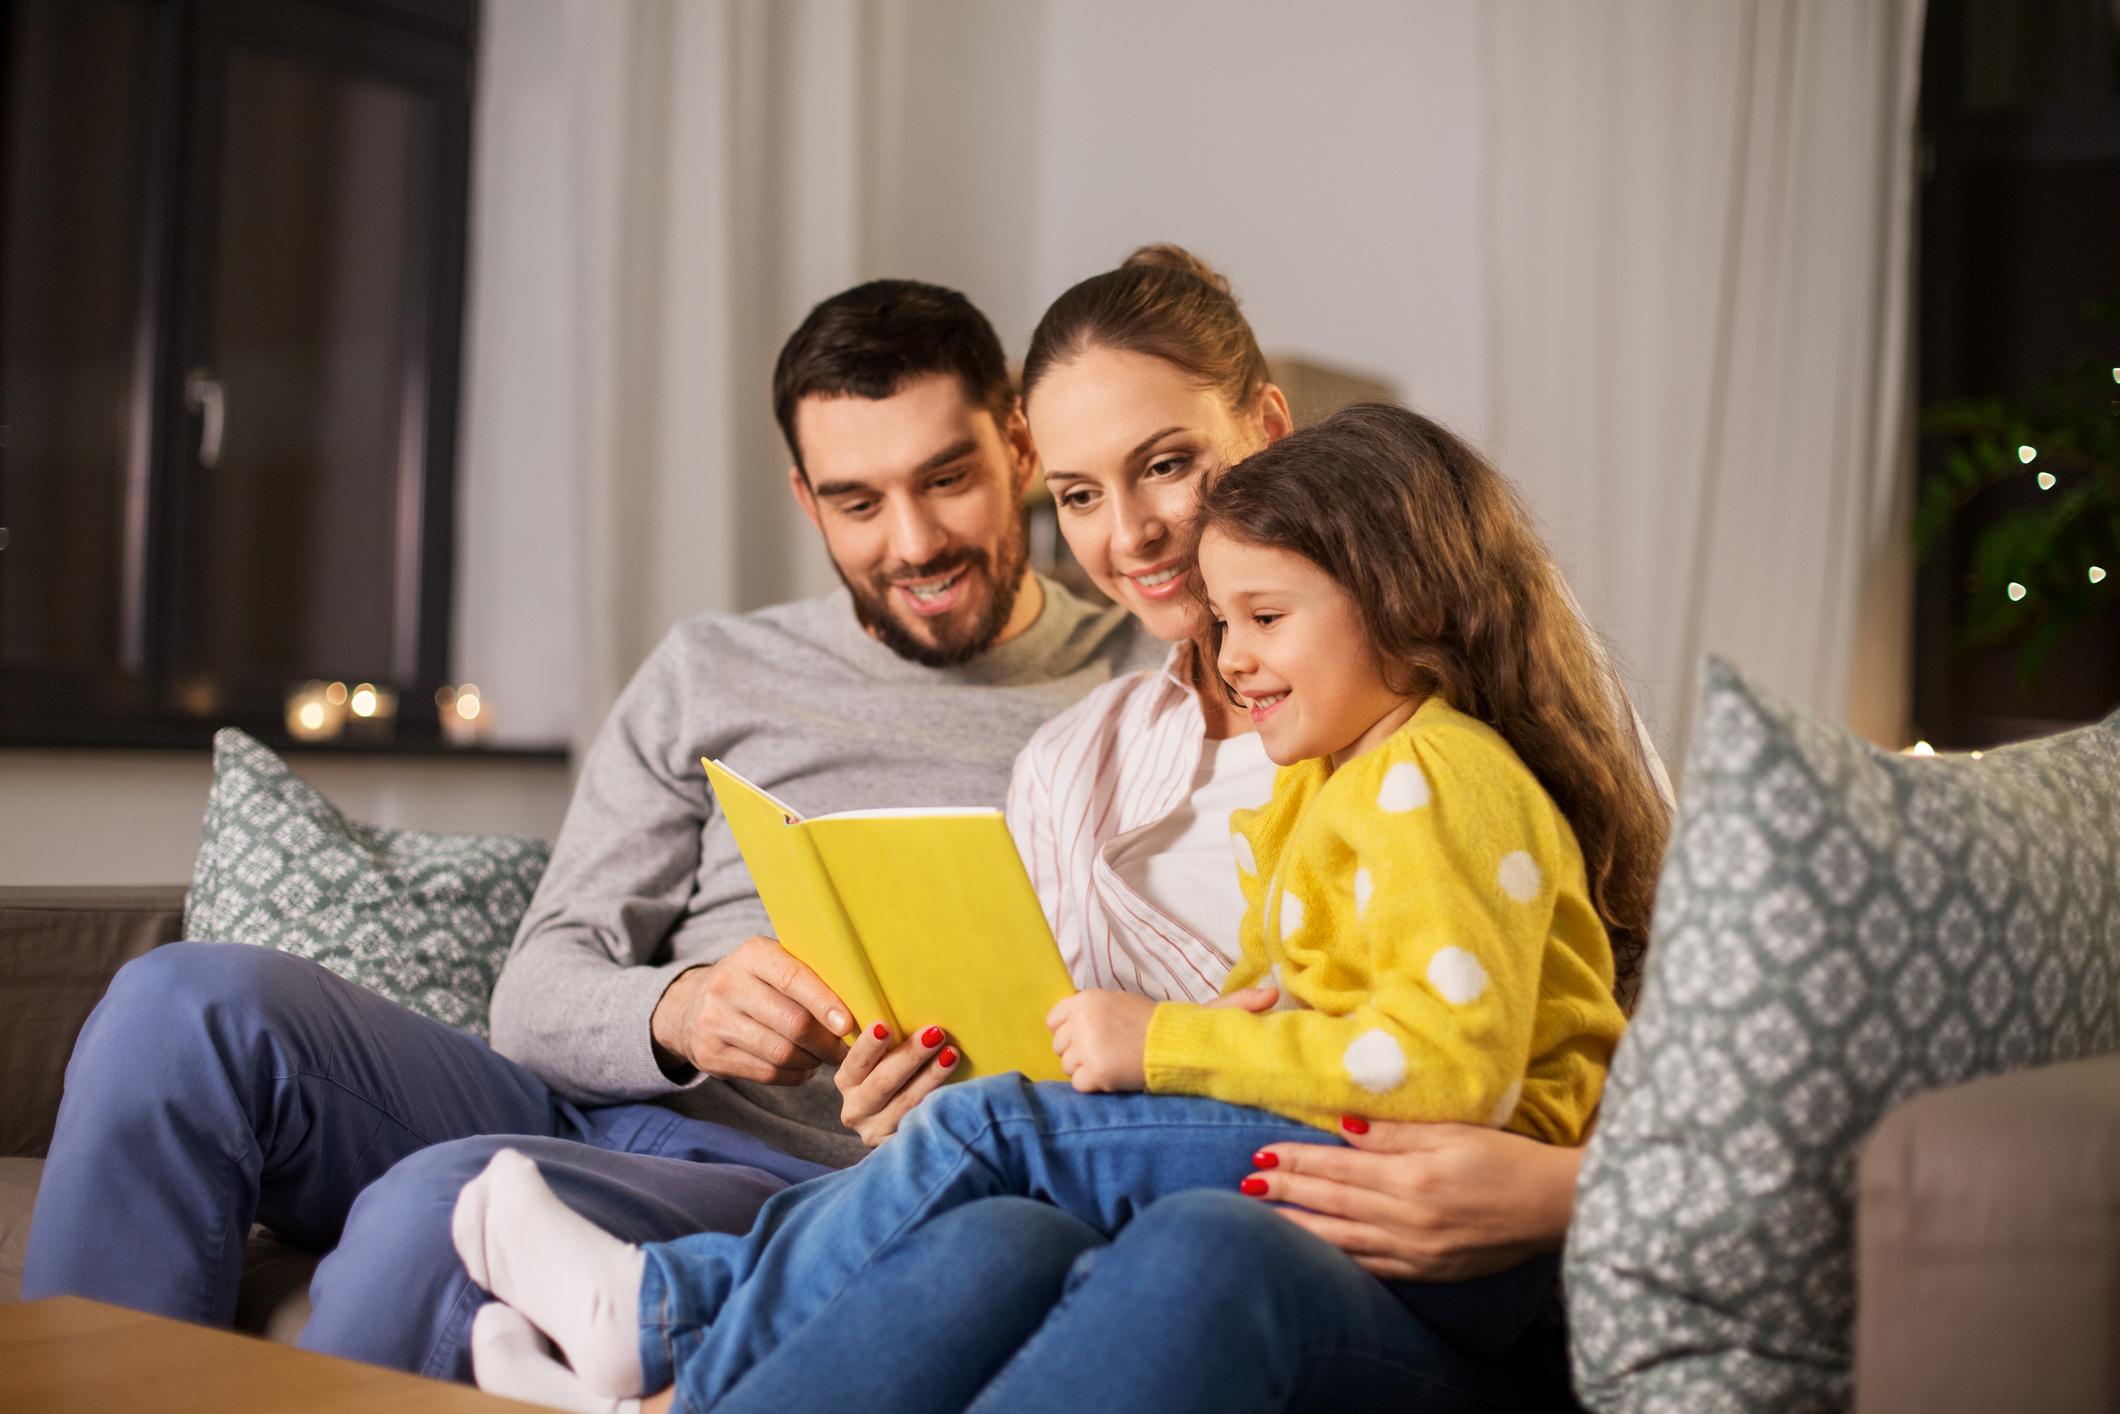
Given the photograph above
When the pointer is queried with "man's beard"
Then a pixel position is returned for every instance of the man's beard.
(952, 646)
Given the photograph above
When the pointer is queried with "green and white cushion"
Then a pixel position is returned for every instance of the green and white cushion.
(424, 919)
(1837, 929)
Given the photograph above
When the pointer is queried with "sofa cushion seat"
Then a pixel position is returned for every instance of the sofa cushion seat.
(273, 1302)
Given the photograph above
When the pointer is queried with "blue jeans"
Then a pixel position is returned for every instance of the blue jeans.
(1208, 1303)
(713, 1306)
(219, 1084)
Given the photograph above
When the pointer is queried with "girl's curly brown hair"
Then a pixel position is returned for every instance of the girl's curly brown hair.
(1462, 600)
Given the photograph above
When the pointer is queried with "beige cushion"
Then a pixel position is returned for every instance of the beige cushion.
(18, 1194)
(1989, 1248)
(274, 1300)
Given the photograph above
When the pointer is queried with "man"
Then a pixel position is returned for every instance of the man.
(220, 1084)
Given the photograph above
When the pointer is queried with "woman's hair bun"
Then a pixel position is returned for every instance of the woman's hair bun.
(1176, 257)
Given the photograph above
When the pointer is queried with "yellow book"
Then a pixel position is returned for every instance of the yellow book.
(915, 917)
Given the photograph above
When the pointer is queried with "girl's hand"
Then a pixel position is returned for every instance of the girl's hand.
(1102, 1040)
(1428, 1202)
(879, 1082)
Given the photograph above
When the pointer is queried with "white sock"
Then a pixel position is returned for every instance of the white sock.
(512, 1360)
(576, 1283)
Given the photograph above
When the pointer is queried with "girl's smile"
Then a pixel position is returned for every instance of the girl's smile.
(1263, 707)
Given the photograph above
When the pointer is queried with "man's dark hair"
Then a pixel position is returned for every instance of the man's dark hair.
(874, 339)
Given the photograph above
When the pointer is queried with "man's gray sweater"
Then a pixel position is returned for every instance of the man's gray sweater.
(646, 879)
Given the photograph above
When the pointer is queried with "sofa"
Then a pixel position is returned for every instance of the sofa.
(59, 948)
(1988, 1223)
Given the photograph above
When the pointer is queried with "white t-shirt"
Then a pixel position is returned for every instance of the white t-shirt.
(1184, 863)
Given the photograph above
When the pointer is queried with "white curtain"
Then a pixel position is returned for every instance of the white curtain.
(1699, 224)
(663, 188)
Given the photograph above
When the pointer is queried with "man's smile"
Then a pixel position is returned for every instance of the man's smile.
(936, 595)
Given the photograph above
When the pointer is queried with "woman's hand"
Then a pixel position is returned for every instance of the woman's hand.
(1428, 1202)
(880, 1082)
(1102, 1040)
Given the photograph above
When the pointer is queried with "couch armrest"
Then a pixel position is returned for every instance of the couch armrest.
(1988, 1247)
(59, 948)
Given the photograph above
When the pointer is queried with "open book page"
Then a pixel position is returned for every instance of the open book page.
(953, 930)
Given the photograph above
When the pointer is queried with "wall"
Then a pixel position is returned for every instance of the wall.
(133, 817)
(664, 187)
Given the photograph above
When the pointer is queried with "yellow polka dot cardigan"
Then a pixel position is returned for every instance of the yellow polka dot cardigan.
(1425, 913)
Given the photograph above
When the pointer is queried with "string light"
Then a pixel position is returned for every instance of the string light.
(312, 715)
(2016, 593)
(336, 694)
(2025, 454)
(363, 700)
(1921, 748)
(2097, 574)
(2046, 481)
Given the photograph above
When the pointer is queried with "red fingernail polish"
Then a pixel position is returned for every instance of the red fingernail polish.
(948, 1057)
(1265, 1159)
(882, 1032)
(1254, 1186)
(1354, 1124)
(932, 1036)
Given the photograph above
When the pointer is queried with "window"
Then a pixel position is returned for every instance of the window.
(2020, 235)
(231, 285)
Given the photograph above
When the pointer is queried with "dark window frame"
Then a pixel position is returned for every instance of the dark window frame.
(1967, 698)
(428, 46)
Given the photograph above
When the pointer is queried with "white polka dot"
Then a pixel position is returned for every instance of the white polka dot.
(1405, 788)
(1364, 886)
(1291, 914)
(1519, 876)
(1457, 974)
(1506, 1106)
(1242, 847)
(1375, 1062)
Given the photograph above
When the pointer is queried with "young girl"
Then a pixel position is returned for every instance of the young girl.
(1414, 890)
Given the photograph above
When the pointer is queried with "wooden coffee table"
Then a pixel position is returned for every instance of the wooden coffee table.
(66, 1353)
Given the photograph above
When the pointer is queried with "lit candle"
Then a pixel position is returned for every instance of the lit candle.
(466, 714)
(372, 711)
(312, 714)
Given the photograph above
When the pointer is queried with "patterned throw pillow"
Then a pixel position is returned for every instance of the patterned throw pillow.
(1837, 930)
(423, 919)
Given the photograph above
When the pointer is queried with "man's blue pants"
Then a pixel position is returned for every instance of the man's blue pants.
(221, 1084)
